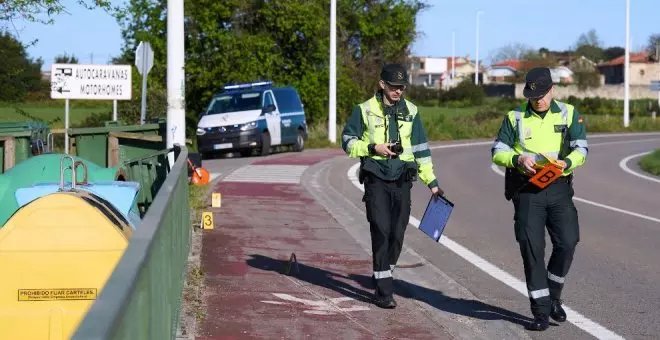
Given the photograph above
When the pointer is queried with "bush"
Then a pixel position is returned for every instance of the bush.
(465, 91)
(604, 106)
(651, 163)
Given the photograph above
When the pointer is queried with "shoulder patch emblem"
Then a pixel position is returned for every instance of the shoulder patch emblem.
(580, 120)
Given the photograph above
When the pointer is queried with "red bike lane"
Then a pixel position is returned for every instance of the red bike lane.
(278, 266)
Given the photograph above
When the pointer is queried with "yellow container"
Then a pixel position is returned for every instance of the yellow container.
(56, 253)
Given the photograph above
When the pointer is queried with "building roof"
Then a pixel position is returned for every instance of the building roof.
(641, 57)
(513, 63)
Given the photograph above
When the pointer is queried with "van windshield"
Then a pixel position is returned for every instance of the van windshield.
(234, 102)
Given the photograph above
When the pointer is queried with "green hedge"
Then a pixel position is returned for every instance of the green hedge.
(466, 94)
(604, 106)
(651, 163)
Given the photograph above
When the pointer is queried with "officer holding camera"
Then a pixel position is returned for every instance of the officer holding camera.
(386, 133)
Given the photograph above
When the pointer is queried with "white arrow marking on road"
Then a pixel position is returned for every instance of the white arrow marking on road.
(319, 307)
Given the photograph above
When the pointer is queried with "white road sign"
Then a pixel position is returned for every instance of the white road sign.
(144, 57)
(88, 81)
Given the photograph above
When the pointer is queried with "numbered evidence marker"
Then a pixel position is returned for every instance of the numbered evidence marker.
(548, 173)
(216, 200)
(207, 220)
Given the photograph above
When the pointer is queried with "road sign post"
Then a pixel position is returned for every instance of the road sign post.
(88, 81)
(655, 86)
(144, 60)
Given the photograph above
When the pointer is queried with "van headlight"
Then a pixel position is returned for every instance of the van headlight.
(249, 126)
(201, 132)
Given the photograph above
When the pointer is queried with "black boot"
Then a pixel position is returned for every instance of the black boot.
(385, 301)
(556, 312)
(540, 323)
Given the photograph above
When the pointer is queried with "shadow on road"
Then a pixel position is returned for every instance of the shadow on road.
(434, 298)
(312, 275)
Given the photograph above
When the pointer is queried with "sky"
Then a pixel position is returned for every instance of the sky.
(95, 37)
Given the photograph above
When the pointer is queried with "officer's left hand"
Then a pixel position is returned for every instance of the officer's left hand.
(562, 163)
(436, 191)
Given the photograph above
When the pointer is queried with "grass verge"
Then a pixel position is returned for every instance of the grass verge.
(651, 163)
(193, 308)
(443, 123)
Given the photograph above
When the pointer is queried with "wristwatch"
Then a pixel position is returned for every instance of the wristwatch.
(372, 148)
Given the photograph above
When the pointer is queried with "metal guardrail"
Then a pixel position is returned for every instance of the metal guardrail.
(141, 298)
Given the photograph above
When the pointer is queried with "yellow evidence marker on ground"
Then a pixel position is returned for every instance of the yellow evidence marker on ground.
(216, 200)
(207, 220)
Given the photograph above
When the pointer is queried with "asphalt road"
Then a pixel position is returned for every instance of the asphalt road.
(614, 280)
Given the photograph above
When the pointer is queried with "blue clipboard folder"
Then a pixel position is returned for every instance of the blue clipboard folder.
(436, 216)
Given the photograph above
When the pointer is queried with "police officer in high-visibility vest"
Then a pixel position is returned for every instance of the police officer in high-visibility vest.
(386, 133)
(540, 126)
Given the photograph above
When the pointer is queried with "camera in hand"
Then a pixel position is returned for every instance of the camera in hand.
(396, 148)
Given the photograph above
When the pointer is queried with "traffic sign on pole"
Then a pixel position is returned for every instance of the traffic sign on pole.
(88, 81)
(654, 85)
(96, 82)
(144, 60)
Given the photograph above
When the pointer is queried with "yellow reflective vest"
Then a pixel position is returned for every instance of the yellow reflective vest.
(524, 132)
(368, 124)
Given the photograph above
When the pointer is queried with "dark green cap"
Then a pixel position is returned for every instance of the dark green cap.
(394, 74)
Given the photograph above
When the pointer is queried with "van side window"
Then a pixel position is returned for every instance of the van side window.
(288, 100)
(268, 100)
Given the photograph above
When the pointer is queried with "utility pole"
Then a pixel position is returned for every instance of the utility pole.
(476, 73)
(176, 114)
(626, 71)
(453, 57)
(332, 109)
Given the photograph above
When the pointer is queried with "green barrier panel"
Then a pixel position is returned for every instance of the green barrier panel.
(92, 143)
(141, 299)
(38, 134)
(147, 168)
(20, 141)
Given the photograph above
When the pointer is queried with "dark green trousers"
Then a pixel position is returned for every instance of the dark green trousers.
(534, 211)
(388, 212)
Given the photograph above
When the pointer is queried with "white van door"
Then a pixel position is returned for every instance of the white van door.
(273, 119)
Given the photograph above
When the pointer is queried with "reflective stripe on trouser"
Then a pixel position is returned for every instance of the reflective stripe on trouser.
(533, 210)
(388, 211)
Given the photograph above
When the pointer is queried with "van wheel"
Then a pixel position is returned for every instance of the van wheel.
(300, 142)
(265, 144)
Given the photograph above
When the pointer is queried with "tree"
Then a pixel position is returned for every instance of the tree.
(613, 52)
(42, 11)
(589, 39)
(286, 41)
(18, 74)
(66, 59)
(512, 51)
(653, 44)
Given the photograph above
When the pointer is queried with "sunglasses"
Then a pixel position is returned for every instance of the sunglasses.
(395, 87)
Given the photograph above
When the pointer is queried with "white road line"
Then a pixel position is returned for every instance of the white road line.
(573, 316)
(497, 170)
(271, 173)
(214, 175)
(627, 141)
(634, 134)
(624, 166)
